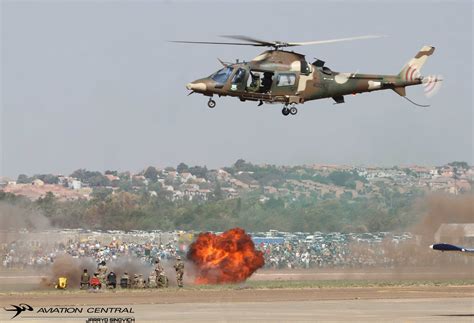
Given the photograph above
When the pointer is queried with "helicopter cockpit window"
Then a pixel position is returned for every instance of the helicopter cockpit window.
(286, 79)
(222, 75)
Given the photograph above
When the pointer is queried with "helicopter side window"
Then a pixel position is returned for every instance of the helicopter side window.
(239, 76)
(286, 80)
(305, 68)
(254, 81)
(222, 75)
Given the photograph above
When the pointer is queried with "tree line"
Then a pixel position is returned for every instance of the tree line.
(129, 211)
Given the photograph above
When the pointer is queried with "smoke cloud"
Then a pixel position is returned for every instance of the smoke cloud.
(14, 218)
(441, 208)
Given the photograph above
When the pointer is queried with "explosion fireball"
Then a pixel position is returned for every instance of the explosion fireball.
(226, 258)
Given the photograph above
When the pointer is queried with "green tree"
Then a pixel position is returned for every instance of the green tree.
(48, 178)
(48, 204)
(151, 174)
(199, 171)
(93, 178)
(459, 164)
(218, 195)
(23, 179)
(98, 180)
(242, 165)
(274, 203)
(101, 193)
(182, 168)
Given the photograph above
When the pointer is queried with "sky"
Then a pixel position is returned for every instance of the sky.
(97, 85)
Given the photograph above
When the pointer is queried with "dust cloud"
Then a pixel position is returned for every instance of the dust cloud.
(441, 208)
(14, 218)
(414, 255)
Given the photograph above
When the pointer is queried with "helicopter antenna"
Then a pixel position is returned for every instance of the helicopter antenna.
(223, 63)
(418, 105)
(432, 84)
(249, 41)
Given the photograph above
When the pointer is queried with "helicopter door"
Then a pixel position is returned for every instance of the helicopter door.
(238, 81)
(285, 84)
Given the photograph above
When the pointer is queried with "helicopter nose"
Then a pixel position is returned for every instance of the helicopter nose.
(196, 86)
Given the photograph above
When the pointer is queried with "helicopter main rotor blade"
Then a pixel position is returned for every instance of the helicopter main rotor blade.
(213, 43)
(318, 42)
(250, 39)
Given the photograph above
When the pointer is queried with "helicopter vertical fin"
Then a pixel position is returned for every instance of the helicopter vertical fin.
(411, 70)
(400, 90)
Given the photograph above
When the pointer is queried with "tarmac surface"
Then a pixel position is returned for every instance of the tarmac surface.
(435, 301)
(357, 304)
(399, 310)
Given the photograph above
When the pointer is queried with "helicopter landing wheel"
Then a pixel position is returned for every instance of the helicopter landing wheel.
(293, 110)
(211, 103)
(285, 111)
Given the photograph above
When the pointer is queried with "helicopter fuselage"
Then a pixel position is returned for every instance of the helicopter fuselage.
(278, 76)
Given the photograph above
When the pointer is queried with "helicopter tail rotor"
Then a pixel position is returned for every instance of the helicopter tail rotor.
(432, 84)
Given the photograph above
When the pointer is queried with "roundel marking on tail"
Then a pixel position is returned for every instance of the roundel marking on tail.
(411, 73)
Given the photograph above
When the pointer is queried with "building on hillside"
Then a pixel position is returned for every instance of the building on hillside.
(445, 184)
(185, 177)
(229, 192)
(75, 184)
(270, 190)
(112, 178)
(222, 175)
(37, 182)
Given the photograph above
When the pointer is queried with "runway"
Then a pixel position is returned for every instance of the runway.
(374, 310)
(358, 304)
(399, 310)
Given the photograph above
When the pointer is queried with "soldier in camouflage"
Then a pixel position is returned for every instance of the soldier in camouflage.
(125, 281)
(160, 276)
(135, 281)
(152, 280)
(179, 267)
(140, 281)
(85, 280)
(102, 270)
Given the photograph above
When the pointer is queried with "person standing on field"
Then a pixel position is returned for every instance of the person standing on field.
(179, 267)
(160, 276)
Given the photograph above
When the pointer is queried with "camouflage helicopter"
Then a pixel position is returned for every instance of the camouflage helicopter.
(279, 76)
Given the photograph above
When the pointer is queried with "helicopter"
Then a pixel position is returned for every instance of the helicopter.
(285, 77)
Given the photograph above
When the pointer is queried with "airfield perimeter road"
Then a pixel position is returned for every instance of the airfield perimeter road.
(357, 304)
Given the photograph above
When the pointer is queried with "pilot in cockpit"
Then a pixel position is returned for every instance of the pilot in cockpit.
(255, 84)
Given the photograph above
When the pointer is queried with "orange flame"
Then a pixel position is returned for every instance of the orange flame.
(226, 258)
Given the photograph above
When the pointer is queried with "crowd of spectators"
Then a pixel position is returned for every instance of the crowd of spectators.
(322, 250)
(33, 254)
(331, 252)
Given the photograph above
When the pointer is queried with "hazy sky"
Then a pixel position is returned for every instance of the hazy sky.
(96, 85)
